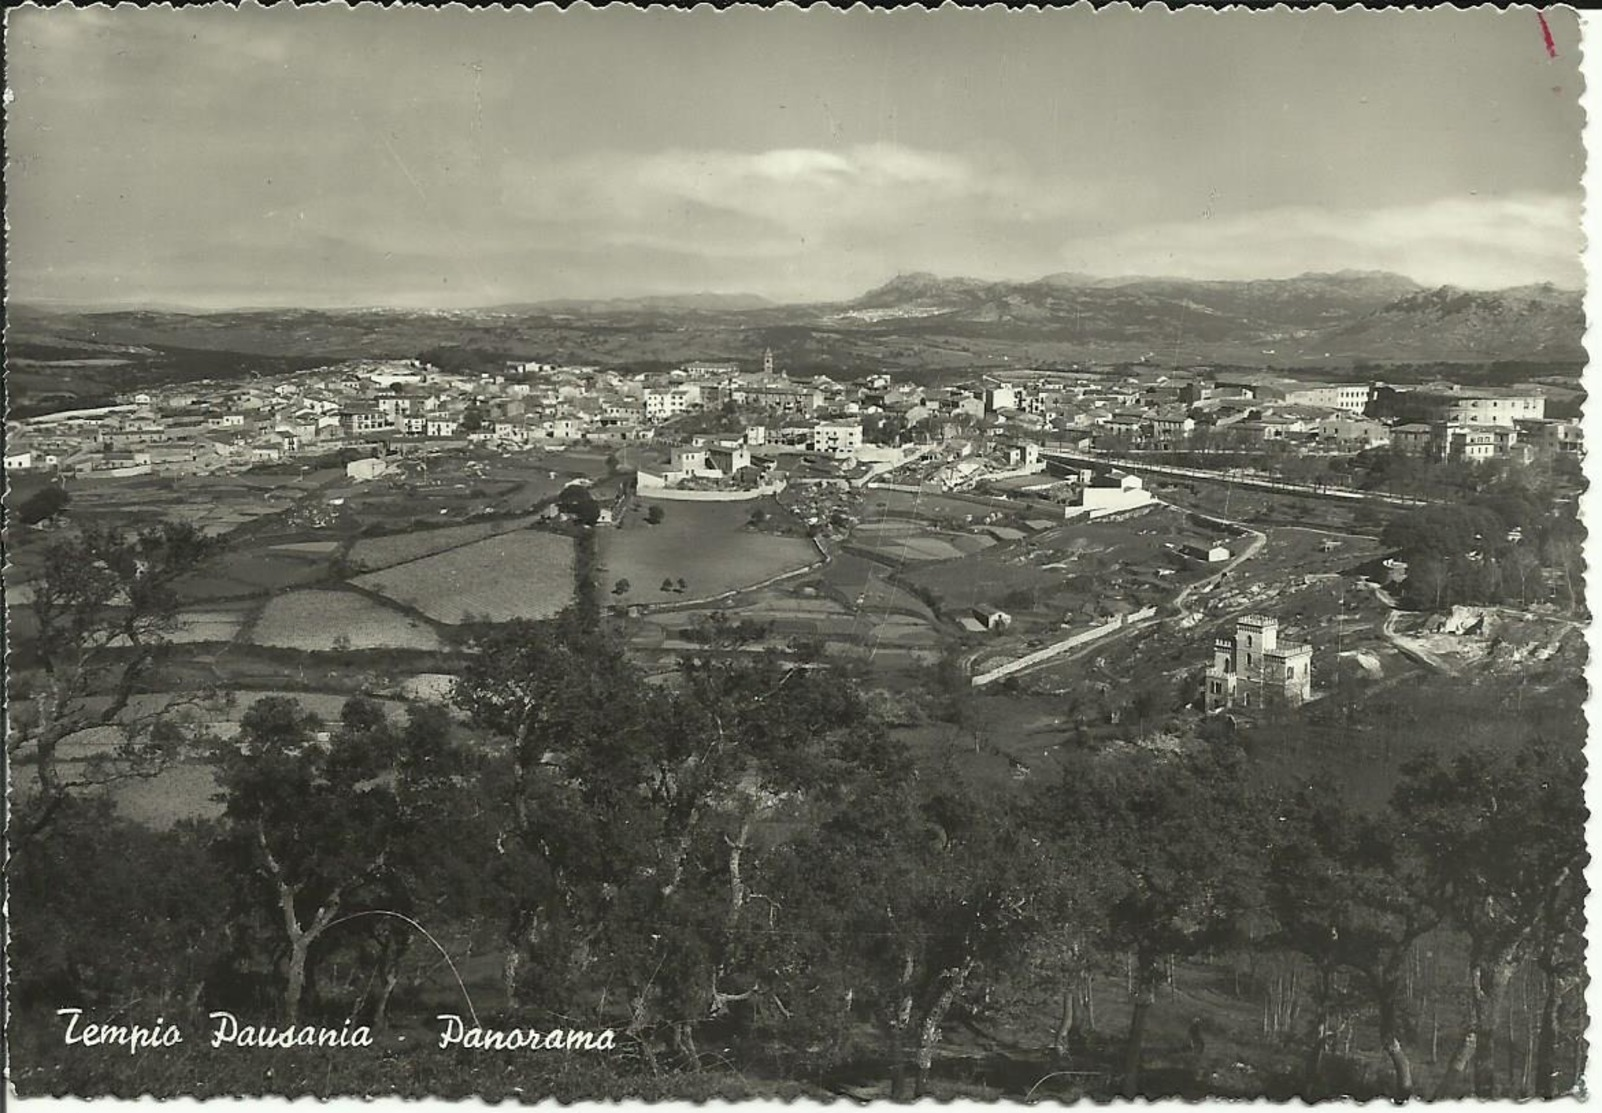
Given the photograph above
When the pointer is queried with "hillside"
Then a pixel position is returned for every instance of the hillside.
(918, 324)
(1451, 323)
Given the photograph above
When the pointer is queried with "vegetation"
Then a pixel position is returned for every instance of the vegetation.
(43, 505)
(747, 878)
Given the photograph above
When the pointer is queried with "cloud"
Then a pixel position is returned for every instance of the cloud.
(767, 203)
(1484, 242)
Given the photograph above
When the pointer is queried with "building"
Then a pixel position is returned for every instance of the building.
(836, 438)
(356, 420)
(1113, 493)
(1251, 668)
(1556, 438)
(363, 470)
(992, 618)
(1215, 553)
(660, 405)
(1351, 397)
(1000, 398)
(1460, 407)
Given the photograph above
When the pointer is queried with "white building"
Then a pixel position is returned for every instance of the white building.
(836, 438)
(363, 470)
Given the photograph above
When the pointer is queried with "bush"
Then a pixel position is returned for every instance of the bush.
(42, 505)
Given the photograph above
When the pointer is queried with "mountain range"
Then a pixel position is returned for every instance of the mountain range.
(1362, 314)
(912, 323)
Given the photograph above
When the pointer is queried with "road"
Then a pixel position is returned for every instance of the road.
(1342, 494)
(1251, 549)
(1406, 646)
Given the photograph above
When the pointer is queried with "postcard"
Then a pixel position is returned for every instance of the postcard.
(782, 553)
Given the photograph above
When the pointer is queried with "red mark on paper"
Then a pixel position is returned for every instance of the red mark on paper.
(1546, 33)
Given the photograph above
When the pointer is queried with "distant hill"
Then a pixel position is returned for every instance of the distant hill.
(1374, 314)
(705, 302)
(916, 324)
(1451, 323)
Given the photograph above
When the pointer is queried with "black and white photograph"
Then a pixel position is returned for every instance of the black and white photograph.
(795, 553)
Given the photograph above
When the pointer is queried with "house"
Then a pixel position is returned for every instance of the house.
(363, 470)
(19, 461)
(992, 618)
(836, 438)
(1112, 493)
(1252, 668)
(1214, 553)
(356, 420)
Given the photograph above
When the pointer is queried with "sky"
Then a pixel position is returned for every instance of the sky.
(423, 158)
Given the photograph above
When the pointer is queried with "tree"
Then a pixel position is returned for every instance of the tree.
(104, 611)
(667, 584)
(1350, 894)
(655, 515)
(472, 419)
(326, 826)
(577, 502)
(681, 587)
(908, 901)
(1177, 840)
(43, 505)
(622, 587)
(1504, 837)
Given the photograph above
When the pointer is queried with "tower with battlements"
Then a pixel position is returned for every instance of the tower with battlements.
(1252, 667)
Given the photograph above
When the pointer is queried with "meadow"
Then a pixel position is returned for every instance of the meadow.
(319, 621)
(374, 553)
(523, 574)
(708, 545)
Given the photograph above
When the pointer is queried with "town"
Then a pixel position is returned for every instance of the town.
(773, 553)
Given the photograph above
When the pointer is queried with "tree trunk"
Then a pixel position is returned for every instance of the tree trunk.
(295, 985)
(901, 1081)
(1145, 995)
(1390, 1040)
(1490, 990)
(1558, 986)
(929, 1034)
(1456, 1065)
(1065, 1020)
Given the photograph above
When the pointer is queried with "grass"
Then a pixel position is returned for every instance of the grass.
(705, 544)
(523, 574)
(373, 553)
(327, 620)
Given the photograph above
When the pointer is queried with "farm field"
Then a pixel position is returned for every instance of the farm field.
(898, 542)
(515, 575)
(1093, 568)
(373, 553)
(877, 504)
(865, 584)
(249, 572)
(708, 545)
(316, 621)
(210, 624)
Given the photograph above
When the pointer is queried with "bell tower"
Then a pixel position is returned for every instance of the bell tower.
(767, 362)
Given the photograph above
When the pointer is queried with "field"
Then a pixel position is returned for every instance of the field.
(210, 624)
(898, 542)
(708, 545)
(1090, 569)
(325, 620)
(516, 575)
(373, 553)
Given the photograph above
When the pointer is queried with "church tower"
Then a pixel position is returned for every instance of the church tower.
(767, 362)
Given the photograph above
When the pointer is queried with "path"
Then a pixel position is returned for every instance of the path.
(1406, 646)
